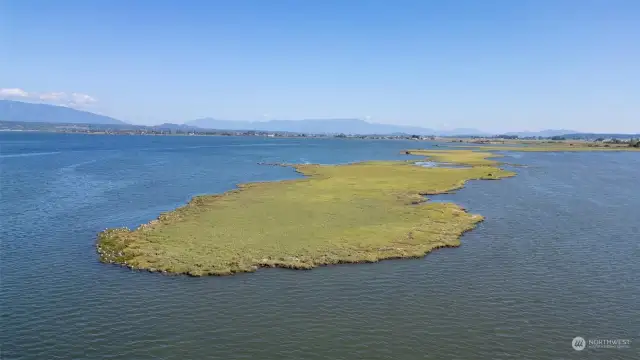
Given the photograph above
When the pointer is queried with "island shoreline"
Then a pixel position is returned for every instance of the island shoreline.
(115, 255)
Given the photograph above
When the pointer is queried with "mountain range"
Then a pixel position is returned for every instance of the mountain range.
(328, 126)
(32, 112)
(311, 126)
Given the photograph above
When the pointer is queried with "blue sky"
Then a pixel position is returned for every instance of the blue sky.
(492, 65)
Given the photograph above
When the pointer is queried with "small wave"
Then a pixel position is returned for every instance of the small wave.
(74, 166)
(29, 154)
(213, 146)
(240, 145)
(157, 163)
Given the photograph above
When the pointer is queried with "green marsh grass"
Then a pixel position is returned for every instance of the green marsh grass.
(363, 212)
(552, 147)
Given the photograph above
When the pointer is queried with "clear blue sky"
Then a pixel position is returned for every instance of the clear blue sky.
(493, 65)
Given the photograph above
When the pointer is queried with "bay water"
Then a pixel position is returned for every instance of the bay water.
(556, 258)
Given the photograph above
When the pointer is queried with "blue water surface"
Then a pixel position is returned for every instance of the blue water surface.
(556, 258)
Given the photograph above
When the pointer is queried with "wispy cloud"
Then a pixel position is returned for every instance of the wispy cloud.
(13, 92)
(74, 99)
(82, 99)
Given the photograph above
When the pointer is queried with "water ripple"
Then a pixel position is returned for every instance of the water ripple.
(556, 258)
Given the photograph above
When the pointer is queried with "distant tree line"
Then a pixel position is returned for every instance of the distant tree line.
(631, 142)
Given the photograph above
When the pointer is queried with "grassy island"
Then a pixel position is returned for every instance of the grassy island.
(362, 212)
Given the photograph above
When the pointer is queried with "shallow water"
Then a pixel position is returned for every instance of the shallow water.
(556, 258)
(432, 164)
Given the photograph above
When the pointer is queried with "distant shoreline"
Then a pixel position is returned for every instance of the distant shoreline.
(494, 143)
(222, 134)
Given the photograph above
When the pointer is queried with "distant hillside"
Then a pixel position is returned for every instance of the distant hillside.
(593, 136)
(542, 133)
(176, 127)
(462, 132)
(29, 112)
(316, 126)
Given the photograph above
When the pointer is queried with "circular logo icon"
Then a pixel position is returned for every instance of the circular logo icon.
(578, 343)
